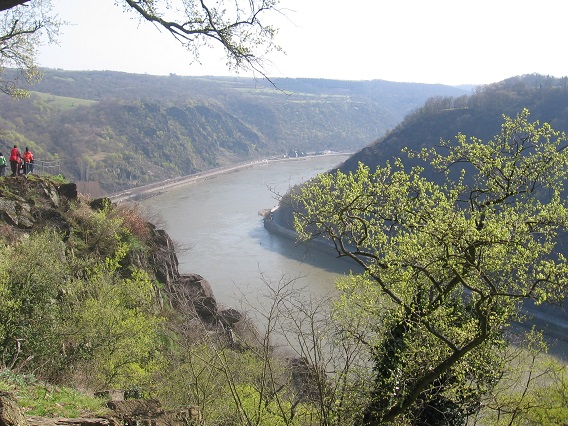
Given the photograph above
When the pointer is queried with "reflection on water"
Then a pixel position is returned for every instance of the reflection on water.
(218, 218)
(301, 252)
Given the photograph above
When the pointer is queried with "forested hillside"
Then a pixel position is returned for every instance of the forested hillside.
(444, 117)
(479, 115)
(122, 130)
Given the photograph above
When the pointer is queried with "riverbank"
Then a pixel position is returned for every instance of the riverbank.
(146, 191)
(271, 225)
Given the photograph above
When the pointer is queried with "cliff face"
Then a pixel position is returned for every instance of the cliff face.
(30, 203)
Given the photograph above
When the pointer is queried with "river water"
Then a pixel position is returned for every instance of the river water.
(218, 221)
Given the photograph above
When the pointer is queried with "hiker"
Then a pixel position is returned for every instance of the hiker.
(15, 160)
(2, 165)
(28, 161)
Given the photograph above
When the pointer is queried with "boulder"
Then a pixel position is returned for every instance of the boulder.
(197, 291)
(136, 408)
(8, 211)
(111, 394)
(150, 412)
(229, 316)
(68, 190)
(100, 203)
(10, 412)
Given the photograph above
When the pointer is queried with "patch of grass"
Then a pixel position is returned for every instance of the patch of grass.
(58, 179)
(42, 399)
(63, 102)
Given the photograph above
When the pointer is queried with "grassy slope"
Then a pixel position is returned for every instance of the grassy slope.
(47, 400)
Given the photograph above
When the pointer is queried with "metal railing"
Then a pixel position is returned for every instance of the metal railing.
(45, 167)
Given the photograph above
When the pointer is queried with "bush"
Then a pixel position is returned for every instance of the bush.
(33, 274)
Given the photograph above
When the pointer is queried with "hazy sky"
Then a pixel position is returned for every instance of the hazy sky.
(427, 41)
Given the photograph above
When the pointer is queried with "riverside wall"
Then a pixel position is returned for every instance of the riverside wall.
(143, 192)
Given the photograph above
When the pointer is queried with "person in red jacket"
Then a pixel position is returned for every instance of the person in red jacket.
(28, 161)
(15, 160)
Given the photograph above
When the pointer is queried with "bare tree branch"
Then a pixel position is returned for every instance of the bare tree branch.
(8, 4)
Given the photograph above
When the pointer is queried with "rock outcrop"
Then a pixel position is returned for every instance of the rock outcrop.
(10, 412)
(28, 202)
(192, 292)
(31, 202)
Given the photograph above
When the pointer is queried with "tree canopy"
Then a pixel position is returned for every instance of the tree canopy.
(446, 265)
(239, 27)
(22, 25)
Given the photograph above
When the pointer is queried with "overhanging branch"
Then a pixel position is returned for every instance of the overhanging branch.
(9, 4)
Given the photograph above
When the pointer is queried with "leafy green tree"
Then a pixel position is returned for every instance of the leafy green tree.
(114, 332)
(21, 28)
(446, 265)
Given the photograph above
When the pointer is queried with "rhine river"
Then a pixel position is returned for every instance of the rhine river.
(217, 223)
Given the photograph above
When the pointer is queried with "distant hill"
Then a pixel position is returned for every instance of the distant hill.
(122, 130)
(443, 117)
(479, 115)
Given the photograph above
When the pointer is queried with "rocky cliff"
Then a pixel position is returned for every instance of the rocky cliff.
(30, 203)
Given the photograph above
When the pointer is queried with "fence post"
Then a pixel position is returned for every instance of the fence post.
(46, 167)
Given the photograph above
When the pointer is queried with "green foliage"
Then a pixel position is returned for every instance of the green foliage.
(172, 126)
(446, 265)
(214, 377)
(114, 328)
(96, 229)
(59, 179)
(548, 403)
(33, 275)
(271, 412)
(533, 392)
(234, 387)
(42, 399)
(71, 311)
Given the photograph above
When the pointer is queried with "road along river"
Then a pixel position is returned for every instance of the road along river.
(216, 215)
